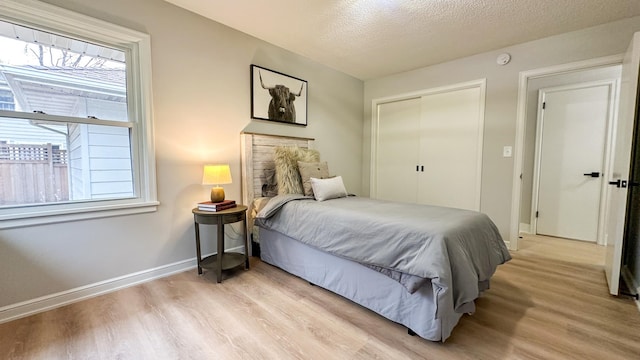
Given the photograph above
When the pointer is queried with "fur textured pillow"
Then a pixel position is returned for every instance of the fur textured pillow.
(319, 170)
(287, 175)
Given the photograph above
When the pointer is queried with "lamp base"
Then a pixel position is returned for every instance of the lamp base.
(217, 194)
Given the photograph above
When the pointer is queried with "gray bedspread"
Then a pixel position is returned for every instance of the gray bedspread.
(458, 250)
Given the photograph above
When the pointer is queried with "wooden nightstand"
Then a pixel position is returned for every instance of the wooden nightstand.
(222, 260)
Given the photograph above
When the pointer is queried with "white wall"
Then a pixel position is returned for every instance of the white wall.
(501, 100)
(201, 105)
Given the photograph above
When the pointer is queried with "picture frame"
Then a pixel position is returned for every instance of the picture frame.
(278, 97)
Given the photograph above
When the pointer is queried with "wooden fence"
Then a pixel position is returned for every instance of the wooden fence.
(31, 174)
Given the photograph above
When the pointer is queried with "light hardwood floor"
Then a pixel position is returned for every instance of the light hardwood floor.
(541, 305)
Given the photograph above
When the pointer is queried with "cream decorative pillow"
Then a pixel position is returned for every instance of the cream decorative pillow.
(325, 189)
(287, 175)
(318, 170)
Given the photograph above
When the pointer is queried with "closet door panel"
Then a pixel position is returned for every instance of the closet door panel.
(449, 144)
(397, 152)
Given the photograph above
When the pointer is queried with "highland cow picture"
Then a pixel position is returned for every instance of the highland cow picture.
(278, 97)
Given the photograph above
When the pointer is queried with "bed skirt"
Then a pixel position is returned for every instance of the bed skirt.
(360, 284)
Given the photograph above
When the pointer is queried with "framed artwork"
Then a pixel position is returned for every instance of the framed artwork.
(278, 97)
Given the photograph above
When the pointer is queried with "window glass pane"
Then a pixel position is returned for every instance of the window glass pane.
(44, 162)
(6, 99)
(58, 75)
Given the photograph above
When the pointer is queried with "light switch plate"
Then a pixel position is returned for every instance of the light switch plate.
(507, 151)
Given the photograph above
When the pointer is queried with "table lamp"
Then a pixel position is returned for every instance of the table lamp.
(216, 175)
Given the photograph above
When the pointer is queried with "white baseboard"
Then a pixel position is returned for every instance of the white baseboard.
(52, 301)
(525, 228)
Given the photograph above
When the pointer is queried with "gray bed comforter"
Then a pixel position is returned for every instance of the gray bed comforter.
(457, 250)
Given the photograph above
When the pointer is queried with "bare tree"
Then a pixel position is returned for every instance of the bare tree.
(46, 56)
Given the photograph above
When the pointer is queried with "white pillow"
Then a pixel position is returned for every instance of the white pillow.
(325, 189)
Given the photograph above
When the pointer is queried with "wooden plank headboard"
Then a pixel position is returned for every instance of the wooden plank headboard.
(257, 156)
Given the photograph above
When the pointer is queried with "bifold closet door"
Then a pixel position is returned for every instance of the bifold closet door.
(397, 151)
(451, 149)
(429, 149)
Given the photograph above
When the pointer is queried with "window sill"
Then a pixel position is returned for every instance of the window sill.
(17, 220)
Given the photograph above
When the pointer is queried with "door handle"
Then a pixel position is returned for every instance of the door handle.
(594, 174)
(616, 183)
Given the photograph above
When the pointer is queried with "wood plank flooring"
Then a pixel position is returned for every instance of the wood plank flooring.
(541, 305)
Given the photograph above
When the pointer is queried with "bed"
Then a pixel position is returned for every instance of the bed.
(417, 265)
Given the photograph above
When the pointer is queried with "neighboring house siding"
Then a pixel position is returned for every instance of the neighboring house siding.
(104, 109)
(100, 162)
(21, 132)
(109, 162)
(78, 163)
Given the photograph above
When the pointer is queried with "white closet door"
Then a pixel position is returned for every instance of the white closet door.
(397, 150)
(451, 149)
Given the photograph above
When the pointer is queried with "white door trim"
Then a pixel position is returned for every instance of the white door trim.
(613, 88)
(375, 123)
(523, 83)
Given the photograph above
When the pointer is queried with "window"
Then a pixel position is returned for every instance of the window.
(75, 119)
(6, 98)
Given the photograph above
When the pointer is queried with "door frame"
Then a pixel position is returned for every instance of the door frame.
(613, 85)
(375, 123)
(521, 115)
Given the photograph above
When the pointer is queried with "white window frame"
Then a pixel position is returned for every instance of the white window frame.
(137, 46)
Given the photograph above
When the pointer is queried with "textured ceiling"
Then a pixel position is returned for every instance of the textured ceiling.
(373, 38)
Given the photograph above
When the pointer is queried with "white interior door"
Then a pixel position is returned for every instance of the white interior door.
(571, 141)
(451, 149)
(397, 150)
(622, 155)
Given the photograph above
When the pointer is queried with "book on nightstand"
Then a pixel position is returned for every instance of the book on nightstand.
(217, 206)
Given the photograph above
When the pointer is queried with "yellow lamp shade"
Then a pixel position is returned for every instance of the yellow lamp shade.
(216, 175)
